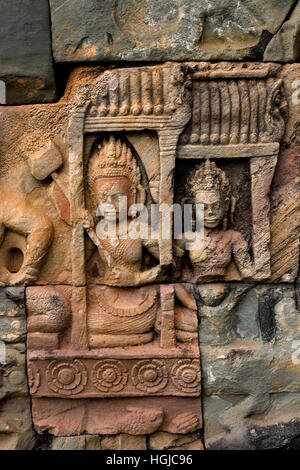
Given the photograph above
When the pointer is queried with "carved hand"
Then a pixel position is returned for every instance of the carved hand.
(159, 273)
(184, 423)
(123, 277)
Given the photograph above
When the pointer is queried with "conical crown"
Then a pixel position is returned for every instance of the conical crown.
(113, 158)
(208, 177)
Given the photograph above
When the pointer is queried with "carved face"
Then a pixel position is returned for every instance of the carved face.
(112, 191)
(215, 207)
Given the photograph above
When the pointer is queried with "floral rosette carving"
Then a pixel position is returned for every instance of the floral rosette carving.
(66, 378)
(109, 375)
(150, 375)
(34, 378)
(186, 375)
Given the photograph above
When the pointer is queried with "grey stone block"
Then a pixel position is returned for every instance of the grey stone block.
(158, 30)
(285, 45)
(26, 65)
(12, 315)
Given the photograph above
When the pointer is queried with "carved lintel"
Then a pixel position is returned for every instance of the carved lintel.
(228, 151)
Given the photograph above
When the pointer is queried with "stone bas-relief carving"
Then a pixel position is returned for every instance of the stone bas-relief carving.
(209, 187)
(231, 114)
(112, 331)
(112, 174)
(140, 343)
(236, 115)
(116, 317)
(21, 260)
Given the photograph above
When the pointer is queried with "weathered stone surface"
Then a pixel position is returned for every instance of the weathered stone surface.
(285, 45)
(285, 213)
(12, 315)
(76, 443)
(25, 52)
(196, 445)
(164, 440)
(253, 381)
(277, 428)
(13, 373)
(164, 30)
(124, 442)
(133, 416)
(16, 431)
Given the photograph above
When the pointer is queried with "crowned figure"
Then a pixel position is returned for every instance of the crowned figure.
(131, 316)
(114, 184)
(210, 188)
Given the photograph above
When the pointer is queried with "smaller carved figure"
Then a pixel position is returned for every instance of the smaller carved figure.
(210, 187)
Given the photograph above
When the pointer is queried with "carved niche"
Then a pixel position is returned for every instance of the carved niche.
(238, 120)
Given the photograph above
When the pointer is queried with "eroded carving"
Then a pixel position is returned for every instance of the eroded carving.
(210, 187)
(115, 350)
(20, 217)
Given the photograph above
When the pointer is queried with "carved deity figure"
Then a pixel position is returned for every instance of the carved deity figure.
(114, 179)
(210, 187)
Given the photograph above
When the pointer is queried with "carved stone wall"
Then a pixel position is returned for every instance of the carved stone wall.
(146, 338)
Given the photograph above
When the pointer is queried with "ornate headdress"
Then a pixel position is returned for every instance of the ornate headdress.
(113, 158)
(208, 177)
